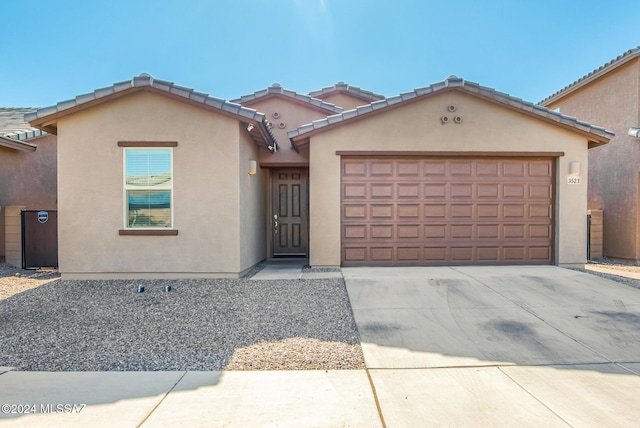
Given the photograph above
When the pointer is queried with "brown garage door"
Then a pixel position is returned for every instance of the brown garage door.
(441, 211)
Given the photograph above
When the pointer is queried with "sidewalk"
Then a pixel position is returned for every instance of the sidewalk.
(196, 399)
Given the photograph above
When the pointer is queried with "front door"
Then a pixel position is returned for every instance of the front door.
(290, 217)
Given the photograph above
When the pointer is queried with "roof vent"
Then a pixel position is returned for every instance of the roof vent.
(277, 85)
(144, 75)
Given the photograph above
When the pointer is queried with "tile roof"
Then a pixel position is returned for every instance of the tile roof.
(12, 120)
(16, 144)
(451, 83)
(611, 65)
(145, 80)
(343, 87)
(27, 135)
(277, 89)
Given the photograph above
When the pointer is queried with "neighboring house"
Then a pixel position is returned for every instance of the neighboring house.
(27, 168)
(159, 180)
(610, 96)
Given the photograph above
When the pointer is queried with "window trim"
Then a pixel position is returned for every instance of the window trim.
(145, 231)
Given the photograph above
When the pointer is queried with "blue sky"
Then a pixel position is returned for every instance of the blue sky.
(54, 51)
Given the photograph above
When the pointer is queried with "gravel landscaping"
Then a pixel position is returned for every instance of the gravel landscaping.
(620, 266)
(213, 324)
(208, 324)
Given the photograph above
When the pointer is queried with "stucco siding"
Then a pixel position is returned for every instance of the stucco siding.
(345, 101)
(252, 204)
(417, 127)
(613, 101)
(205, 190)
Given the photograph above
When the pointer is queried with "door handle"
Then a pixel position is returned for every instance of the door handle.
(275, 223)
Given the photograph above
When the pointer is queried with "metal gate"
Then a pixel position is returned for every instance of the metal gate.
(39, 239)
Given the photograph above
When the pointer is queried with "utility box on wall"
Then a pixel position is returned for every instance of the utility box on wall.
(595, 234)
(13, 235)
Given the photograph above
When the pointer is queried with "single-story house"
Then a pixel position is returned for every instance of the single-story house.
(610, 96)
(159, 180)
(27, 175)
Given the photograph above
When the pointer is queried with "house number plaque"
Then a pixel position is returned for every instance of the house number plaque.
(573, 180)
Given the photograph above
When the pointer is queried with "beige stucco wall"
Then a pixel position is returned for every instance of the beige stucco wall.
(28, 179)
(206, 192)
(345, 101)
(417, 127)
(613, 101)
(253, 203)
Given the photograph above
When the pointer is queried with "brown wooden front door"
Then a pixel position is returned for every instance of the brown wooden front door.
(289, 217)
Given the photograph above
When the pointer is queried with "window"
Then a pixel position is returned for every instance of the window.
(148, 188)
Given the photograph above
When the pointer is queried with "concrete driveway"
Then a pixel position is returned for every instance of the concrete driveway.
(498, 346)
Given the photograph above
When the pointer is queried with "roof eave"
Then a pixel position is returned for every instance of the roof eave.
(17, 144)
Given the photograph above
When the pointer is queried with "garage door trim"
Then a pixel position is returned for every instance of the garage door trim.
(369, 153)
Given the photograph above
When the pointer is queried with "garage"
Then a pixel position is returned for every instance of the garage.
(447, 209)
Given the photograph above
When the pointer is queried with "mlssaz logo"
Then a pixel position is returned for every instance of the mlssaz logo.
(43, 216)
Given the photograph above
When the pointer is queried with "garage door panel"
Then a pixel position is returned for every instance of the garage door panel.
(461, 211)
(513, 169)
(381, 168)
(513, 211)
(461, 190)
(354, 168)
(381, 231)
(435, 211)
(539, 191)
(410, 231)
(488, 190)
(435, 168)
(355, 191)
(354, 212)
(409, 190)
(488, 211)
(382, 191)
(409, 211)
(409, 254)
(489, 231)
(487, 168)
(382, 211)
(461, 168)
(435, 190)
(515, 190)
(382, 254)
(422, 211)
(540, 169)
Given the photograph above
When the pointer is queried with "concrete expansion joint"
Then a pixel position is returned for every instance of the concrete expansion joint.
(375, 397)
(162, 399)
(534, 396)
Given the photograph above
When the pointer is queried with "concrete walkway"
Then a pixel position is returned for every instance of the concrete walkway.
(291, 269)
(521, 346)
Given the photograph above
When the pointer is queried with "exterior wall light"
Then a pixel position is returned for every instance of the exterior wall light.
(634, 132)
(253, 167)
(574, 168)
